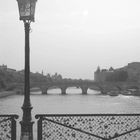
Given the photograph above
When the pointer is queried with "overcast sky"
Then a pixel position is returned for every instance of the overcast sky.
(72, 37)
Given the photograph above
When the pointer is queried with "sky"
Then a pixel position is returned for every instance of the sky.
(72, 37)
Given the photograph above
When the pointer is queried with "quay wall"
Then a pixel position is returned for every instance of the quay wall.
(6, 93)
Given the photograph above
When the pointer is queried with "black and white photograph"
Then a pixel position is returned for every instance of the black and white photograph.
(70, 70)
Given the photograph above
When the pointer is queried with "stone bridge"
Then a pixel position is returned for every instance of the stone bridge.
(84, 85)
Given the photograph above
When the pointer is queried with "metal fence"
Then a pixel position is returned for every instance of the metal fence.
(8, 127)
(88, 126)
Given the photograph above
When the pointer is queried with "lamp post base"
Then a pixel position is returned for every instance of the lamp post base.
(26, 123)
(26, 131)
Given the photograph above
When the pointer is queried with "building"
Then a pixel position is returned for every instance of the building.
(101, 75)
(5, 68)
(132, 70)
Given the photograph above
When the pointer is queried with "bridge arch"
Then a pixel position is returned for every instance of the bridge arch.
(35, 90)
(54, 90)
(46, 89)
(76, 89)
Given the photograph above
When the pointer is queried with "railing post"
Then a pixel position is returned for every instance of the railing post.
(13, 128)
(39, 127)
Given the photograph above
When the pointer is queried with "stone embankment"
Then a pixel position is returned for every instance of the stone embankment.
(6, 93)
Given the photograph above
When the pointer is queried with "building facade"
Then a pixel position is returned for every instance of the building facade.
(101, 75)
(132, 70)
(5, 68)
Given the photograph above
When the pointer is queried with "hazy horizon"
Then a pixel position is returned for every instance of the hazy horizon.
(72, 37)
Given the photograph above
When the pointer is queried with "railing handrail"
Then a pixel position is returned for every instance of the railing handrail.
(62, 115)
(9, 115)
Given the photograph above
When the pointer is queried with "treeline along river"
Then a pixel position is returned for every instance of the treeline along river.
(74, 103)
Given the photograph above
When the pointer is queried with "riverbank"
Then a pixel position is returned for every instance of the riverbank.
(6, 93)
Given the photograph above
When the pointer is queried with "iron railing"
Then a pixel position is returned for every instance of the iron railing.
(8, 127)
(88, 126)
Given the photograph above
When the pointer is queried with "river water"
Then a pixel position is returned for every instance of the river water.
(74, 102)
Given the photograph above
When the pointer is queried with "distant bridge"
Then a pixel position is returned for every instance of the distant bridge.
(84, 85)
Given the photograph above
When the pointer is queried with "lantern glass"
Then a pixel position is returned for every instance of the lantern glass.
(26, 9)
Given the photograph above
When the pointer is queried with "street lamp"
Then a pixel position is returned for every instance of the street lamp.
(26, 12)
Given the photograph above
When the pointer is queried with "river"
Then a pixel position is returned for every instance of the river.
(74, 102)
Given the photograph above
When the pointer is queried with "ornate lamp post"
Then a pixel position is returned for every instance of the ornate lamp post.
(26, 12)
